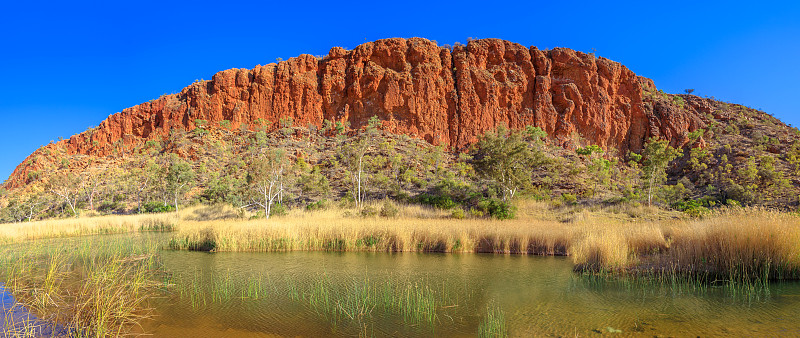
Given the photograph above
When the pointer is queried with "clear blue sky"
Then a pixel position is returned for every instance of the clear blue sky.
(67, 66)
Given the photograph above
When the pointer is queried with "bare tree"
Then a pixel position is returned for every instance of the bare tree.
(67, 187)
(91, 183)
(266, 175)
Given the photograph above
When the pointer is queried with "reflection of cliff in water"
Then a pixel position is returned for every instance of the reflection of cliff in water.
(18, 322)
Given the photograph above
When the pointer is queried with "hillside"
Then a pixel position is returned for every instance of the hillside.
(447, 97)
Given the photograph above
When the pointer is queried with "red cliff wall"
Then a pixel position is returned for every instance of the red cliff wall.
(417, 88)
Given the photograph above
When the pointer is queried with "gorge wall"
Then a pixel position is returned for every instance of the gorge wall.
(446, 97)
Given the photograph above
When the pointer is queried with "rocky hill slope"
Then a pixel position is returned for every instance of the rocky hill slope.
(441, 95)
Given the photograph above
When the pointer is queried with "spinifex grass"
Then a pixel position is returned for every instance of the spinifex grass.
(92, 287)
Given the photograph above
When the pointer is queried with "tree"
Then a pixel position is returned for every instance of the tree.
(599, 168)
(314, 182)
(140, 178)
(688, 91)
(90, 184)
(265, 177)
(67, 187)
(504, 157)
(179, 176)
(352, 155)
(657, 154)
(23, 206)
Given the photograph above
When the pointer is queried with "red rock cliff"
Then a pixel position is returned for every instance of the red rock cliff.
(417, 88)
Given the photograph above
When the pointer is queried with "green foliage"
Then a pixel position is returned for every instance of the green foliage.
(569, 199)
(600, 172)
(497, 208)
(439, 201)
(535, 134)
(156, 207)
(278, 210)
(732, 129)
(695, 135)
(589, 150)
(314, 183)
(179, 179)
(503, 157)
(318, 205)
(672, 194)
(388, 209)
(793, 158)
(657, 155)
(368, 211)
(457, 213)
(286, 125)
(225, 124)
(222, 189)
(694, 208)
(678, 101)
(153, 144)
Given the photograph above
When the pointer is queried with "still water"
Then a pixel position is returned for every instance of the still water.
(278, 294)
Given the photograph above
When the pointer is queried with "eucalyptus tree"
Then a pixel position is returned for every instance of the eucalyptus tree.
(66, 186)
(504, 157)
(657, 154)
(180, 176)
(266, 173)
(352, 153)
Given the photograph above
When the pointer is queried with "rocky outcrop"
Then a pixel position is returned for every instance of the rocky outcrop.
(446, 97)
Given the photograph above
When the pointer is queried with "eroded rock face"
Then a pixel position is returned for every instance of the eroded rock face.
(417, 88)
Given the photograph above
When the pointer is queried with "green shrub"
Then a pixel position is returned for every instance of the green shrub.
(278, 210)
(733, 203)
(158, 207)
(694, 208)
(458, 213)
(318, 205)
(368, 212)
(438, 201)
(111, 207)
(475, 212)
(389, 209)
(569, 199)
(497, 209)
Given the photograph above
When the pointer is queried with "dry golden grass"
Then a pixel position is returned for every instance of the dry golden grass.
(415, 229)
(747, 243)
(70, 227)
(739, 243)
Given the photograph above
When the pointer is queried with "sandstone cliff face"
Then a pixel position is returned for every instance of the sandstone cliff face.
(417, 88)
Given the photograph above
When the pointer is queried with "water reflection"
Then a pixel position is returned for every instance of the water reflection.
(538, 295)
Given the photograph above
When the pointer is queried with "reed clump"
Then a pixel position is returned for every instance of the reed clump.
(756, 245)
(89, 287)
(493, 324)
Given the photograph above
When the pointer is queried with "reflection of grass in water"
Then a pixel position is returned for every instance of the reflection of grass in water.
(414, 302)
(494, 323)
(93, 287)
(669, 282)
(352, 302)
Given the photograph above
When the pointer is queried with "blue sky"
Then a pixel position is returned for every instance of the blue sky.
(67, 66)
